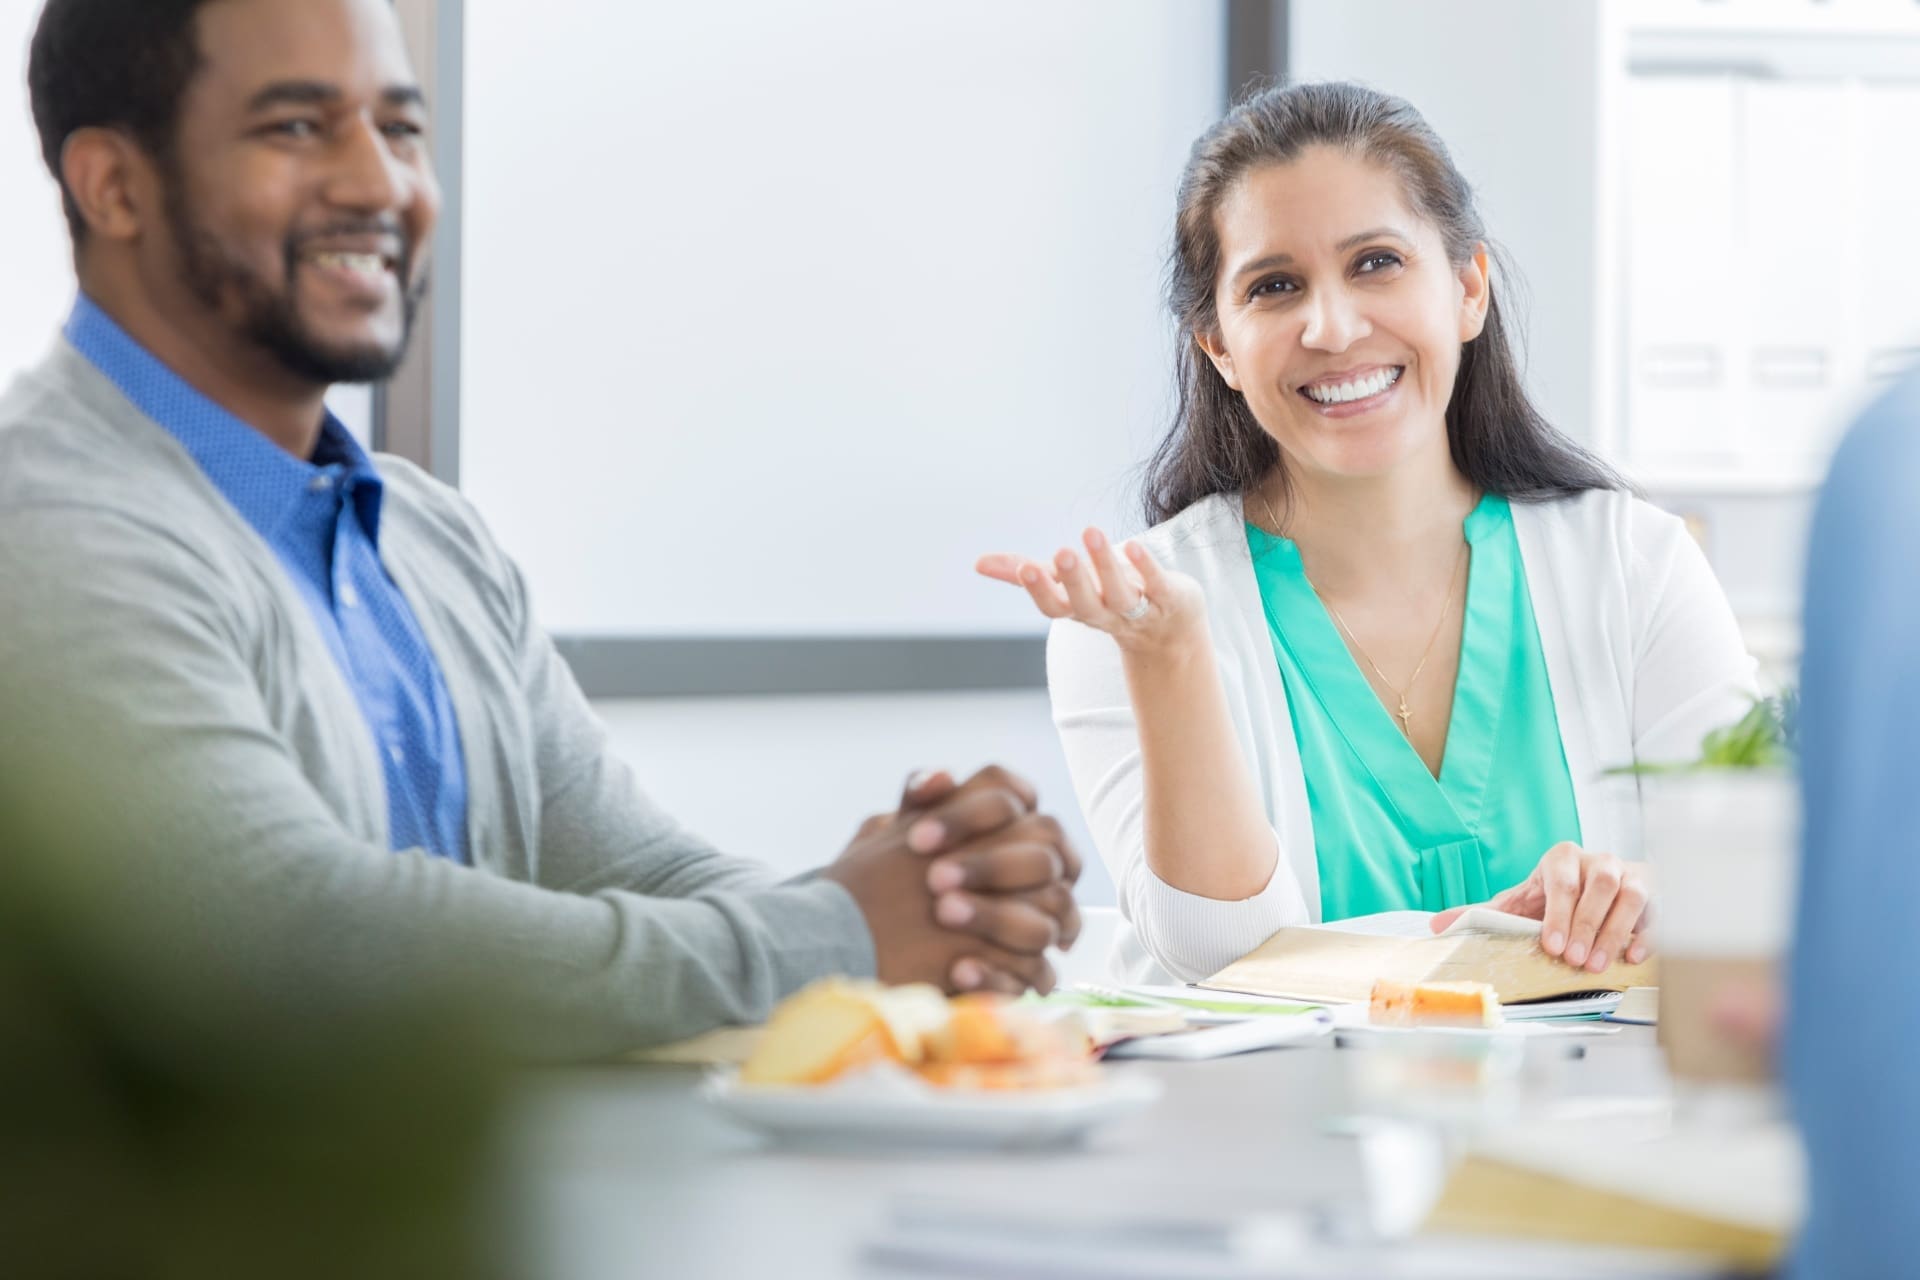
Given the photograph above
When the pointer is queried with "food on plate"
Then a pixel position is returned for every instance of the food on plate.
(1434, 1004)
(839, 1026)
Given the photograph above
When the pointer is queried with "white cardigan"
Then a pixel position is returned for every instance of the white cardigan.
(1642, 652)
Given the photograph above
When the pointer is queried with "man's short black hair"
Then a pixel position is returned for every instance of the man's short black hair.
(121, 64)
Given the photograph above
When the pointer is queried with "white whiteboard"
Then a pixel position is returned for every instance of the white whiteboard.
(776, 316)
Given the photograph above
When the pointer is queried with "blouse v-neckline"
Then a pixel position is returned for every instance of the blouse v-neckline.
(1443, 807)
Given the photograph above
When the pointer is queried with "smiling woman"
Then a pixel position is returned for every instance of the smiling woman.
(1390, 626)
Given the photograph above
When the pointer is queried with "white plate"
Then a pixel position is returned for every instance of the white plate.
(900, 1111)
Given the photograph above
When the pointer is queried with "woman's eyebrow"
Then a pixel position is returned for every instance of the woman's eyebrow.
(1271, 260)
(1377, 233)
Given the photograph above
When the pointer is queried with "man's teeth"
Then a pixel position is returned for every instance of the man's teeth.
(1359, 389)
(366, 264)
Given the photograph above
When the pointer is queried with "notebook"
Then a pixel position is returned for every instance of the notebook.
(1339, 963)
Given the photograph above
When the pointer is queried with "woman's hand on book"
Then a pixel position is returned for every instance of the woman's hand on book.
(1592, 907)
(1122, 591)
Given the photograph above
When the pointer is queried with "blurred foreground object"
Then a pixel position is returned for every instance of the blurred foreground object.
(156, 1122)
(1852, 1033)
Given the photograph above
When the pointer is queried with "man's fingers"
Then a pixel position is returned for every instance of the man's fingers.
(1058, 901)
(926, 787)
(964, 816)
(995, 777)
(999, 868)
(1026, 971)
(1011, 923)
(971, 975)
(987, 801)
(1070, 861)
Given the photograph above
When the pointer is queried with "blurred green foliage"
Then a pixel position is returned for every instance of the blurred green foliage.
(1764, 738)
(153, 1126)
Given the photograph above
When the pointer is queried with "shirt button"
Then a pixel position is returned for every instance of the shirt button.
(320, 484)
(348, 596)
(395, 754)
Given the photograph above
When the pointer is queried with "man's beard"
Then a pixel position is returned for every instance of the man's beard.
(269, 317)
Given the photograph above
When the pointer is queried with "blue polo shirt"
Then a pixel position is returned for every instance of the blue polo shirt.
(321, 516)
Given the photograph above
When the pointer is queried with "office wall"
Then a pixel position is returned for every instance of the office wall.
(1512, 88)
(39, 279)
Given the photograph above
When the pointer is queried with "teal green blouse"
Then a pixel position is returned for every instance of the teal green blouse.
(1388, 835)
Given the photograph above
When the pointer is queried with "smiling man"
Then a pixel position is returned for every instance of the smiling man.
(318, 729)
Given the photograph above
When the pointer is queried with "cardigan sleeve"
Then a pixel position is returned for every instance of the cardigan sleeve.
(1188, 935)
(1691, 669)
(133, 724)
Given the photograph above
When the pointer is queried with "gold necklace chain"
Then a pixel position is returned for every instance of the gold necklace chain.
(1405, 713)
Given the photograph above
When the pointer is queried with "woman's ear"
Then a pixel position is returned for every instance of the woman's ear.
(1217, 352)
(1476, 285)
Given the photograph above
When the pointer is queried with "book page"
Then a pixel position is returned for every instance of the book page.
(1385, 924)
(1336, 966)
(1487, 920)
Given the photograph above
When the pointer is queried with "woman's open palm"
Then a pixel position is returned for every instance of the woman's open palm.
(1123, 592)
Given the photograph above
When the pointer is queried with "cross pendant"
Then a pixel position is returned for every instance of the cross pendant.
(1406, 719)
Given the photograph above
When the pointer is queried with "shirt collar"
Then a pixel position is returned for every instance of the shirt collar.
(264, 483)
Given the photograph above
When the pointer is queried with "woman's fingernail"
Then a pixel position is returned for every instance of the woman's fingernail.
(1556, 943)
(944, 876)
(1636, 955)
(925, 836)
(1598, 962)
(1095, 540)
(919, 778)
(1030, 575)
(1577, 954)
(953, 911)
(967, 974)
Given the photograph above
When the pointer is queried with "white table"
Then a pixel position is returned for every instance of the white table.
(625, 1172)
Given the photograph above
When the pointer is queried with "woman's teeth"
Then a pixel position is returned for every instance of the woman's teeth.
(1359, 389)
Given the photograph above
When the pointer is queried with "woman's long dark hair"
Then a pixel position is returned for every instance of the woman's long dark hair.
(1499, 441)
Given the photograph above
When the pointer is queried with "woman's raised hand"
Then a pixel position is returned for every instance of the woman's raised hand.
(1123, 592)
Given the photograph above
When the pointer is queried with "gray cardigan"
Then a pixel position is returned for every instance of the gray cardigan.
(152, 643)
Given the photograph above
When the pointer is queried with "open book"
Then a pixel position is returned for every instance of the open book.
(1339, 963)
